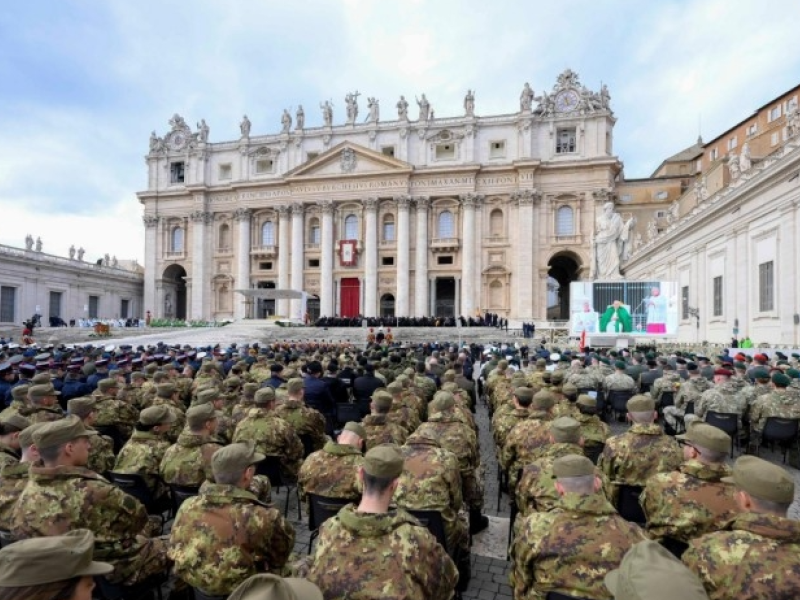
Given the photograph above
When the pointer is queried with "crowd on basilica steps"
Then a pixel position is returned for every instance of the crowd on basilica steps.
(385, 435)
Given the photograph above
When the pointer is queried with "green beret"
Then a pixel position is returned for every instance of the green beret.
(26, 435)
(781, 380)
(235, 458)
(572, 465)
(441, 401)
(382, 400)
(395, 387)
(107, 384)
(156, 415)
(207, 396)
(196, 416)
(60, 432)
(793, 373)
(708, 437)
(137, 375)
(48, 560)
(523, 393)
(16, 421)
(740, 365)
(272, 587)
(264, 395)
(295, 385)
(604, 360)
(565, 430)
(356, 428)
(81, 406)
(165, 390)
(641, 403)
(760, 373)
(42, 391)
(620, 364)
(762, 479)
(543, 400)
(384, 461)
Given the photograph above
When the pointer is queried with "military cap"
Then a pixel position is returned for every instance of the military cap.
(20, 392)
(197, 415)
(760, 373)
(41, 391)
(384, 461)
(572, 465)
(52, 559)
(739, 366)
(26, 435)
(250, 388)
(236, 457)
(523, 393)
(81, 406)
(762, 479)
(265, 395)
(442, 401)
(138, 375)
(27, 368)
(356, 428)
(272, 587)
(543, 400)
(541, 362)
(165, 390)
(569, 388)
(557, 377)
(565, 430)
(502, 365)
(587, 400)
(641, 403)
(207, 396)
(708, 437)
(156, 415)
(620, 364)
(691, 367)
(649, 571)
(781, 380)
(106, 384)
(395, 387)
(41, 378)
(761, 357)
(232, 382)
(60, 432)
(793, 373)
(16, 421)
(382, 400)
(151, 368)
(295, 385)
(723, 372)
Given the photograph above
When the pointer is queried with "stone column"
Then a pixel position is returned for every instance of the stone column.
(151, 249)
(326, 305)
(421, 266)
(200, 288)
(297, 258)
(403, 237)
(523, 276)
(370, 257)
(242, 216)
(284, 252)
(469, 202)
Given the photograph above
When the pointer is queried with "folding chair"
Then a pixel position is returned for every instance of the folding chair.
(628, 504)
(270, 467)
(784, 432)
(727, 422)
(322, 508)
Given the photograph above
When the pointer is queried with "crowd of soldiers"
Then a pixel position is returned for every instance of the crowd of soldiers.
(209, 422)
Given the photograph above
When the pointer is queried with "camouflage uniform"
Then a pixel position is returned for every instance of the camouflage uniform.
(142, 455)
(669, 382)
(8, 456)
(634, 456)
(593, 430)
(690, 391)
(571, 548)
(565, 408)
(525, 443)
(504, 422)
(274, 437)
(753, 558)
(331, 472)
(781, 403)
(431, 481)
(188, 462)
(112, 412)
(536, 490)
(689, 502)
(304, 420)
(101, 456)
(582, 380)
(721, 398)
(13, 479)
(60, 499)
(41, 414)
(389, 556)
(426, 385)
(380, 430)
(224, 535)
(619, 382)
(241, 409)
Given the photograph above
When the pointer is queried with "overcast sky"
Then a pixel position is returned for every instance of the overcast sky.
(83, 83)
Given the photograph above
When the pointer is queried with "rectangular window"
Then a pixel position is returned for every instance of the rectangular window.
(662, 195)
(55, 304)
(388, 231)
(176, 172)
(123, 308)
(718, 296)
(265, 165)
(660, 214)
(387, 261)
(766, 286)
(753, 129)
(774, 138)
(497, 149)
(265, 266)
(387, 151)
(94, 306)
(625, 198)
(566, 141)
(714, 154)
(445, 151)
(225, 171)
(774, 113)
(313, 263)
(685, 302)
(444, 260)
(311, 155)
(8, 304)
(732, 142)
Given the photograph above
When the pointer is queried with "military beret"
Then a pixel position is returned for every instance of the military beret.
(384, 461)
(793, 373)
(569, 388)
(42, 391)
(156, 415)
(26, 435)
(20, 392)
(264, 395)
(356, 428)
(708, 437)
(106, 384)
(649, 571)
(441, 401)
(587, 400)
(60, 432)
(572, 465)
(523, 393)
(41, 378)
(250, 388)
(395, 387)
(272, 587)
(295, 385)
(762, 479)
(196, 416)
(543, 400)
(51, 559)
(761, 358)
(565, 430)
(620, 364)
(81, 406)
(760, 373)
(235, 458)
(604, 360)
(740, 366)
(382, 400)
(206, 396)
(641, 403)
(781, 380)
(15, 421)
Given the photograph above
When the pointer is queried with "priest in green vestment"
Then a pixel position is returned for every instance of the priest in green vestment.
(616, 319)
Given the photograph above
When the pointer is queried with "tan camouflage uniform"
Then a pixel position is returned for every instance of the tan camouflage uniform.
(331, 472)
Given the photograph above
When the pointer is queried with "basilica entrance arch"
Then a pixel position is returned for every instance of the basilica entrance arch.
(173, 292)
(562, 269)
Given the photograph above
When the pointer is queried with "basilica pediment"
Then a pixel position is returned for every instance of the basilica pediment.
(349, 159)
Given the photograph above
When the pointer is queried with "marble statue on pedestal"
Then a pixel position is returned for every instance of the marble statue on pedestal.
(469, 104)
(327, 113)
(38, 244)
(286, 121)
(733, 167)
(744, 158)
(300, 118)
(402, 109)
(81, 252)
(526, 98)
(374, 110)
(351, 103)
(29, 242)
(244, 127)
(608, 244)
(72, 252)
(202, 131)
(424, 108)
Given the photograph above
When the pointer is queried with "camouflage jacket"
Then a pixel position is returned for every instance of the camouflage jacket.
(669, 382)
(504, 422)
(101, 456)
(536, 490)
(13, 479)
(593, 430)
(722, 398)
(778, 403)
(453, 435)
(571, 548)
(239, 412)
(111, 411)
(380, 430)
(188, 462)
(689, 502)
(41, 414)
(304, 420)
(364, 556)
(332, 472)
(224, 535)
(407, 418)
(273, 436)
(142, 455)
(8, 456)
(753, 558)
(582, 380)
(426, 385)
(619, 382)
(691, 390)
(633, 457)
(526, 442)
(565, 408)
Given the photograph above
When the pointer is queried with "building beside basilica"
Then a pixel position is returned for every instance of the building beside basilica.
(408, 216)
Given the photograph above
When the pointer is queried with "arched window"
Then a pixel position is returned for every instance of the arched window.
(351, 227)
(224, 237)
(268, 234)
(176, 239)
(313, 231)
(446, 224)
(565, 224)
(496, 222)
(388, 228)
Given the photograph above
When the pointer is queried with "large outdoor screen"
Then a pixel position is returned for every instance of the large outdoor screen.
(633, 307)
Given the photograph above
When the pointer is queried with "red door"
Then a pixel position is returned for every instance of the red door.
(350, 300)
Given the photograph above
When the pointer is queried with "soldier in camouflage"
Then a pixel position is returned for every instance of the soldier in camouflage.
(781, 402)
(188, 462)
(723, 397)
(619, 381)
(143, 453)
(10, 428)
(593, 430)
(225, 426)
(42, 404)
(690, 391)
(332, 471)
(112, 412)
(368, 551)
(101, 456)
(404, 412)
(225, 534)
(503, 423)
(380, 430)
(527, 440)
(19, 395)
(305, 421)
(755, 555)
(669, 381)
(245, 403)
(63, 495)
(570, 549)
(14, 476)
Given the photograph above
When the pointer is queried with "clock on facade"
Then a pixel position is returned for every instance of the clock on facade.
(177, 141)
(567, 101)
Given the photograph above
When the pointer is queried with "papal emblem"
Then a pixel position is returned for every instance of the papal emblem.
(348, 160)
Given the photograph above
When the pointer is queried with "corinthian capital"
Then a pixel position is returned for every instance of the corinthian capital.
(471, 200)
(283, 210)
(242, 214)
(297, 209)
(370, 203)
(150, 220)
(403, 201)
(202, 217)
(326, 207)
(526, 197)
(422, 202)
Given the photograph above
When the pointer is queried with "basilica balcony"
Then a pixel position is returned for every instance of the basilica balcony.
(311, 247)
(445, 244)
(567, 240)
(175, 255)
(264, 251)
(388, 243)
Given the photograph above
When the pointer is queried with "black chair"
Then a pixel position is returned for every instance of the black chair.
(783, 432)
(180, 493)
(308, 444)
(593, 451)
(502, 485)
(347, 411)
(667, 399)
(6, 538)
(114, 433)
(322, 508)
(644, 388)
(136, 486)
(676, 547)
(728, 422)
(270, 467)
(115, 591)
(433, 522)
(618, 401)
(560, 596)
(201, 595)
(680, 419)
(628, 504)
